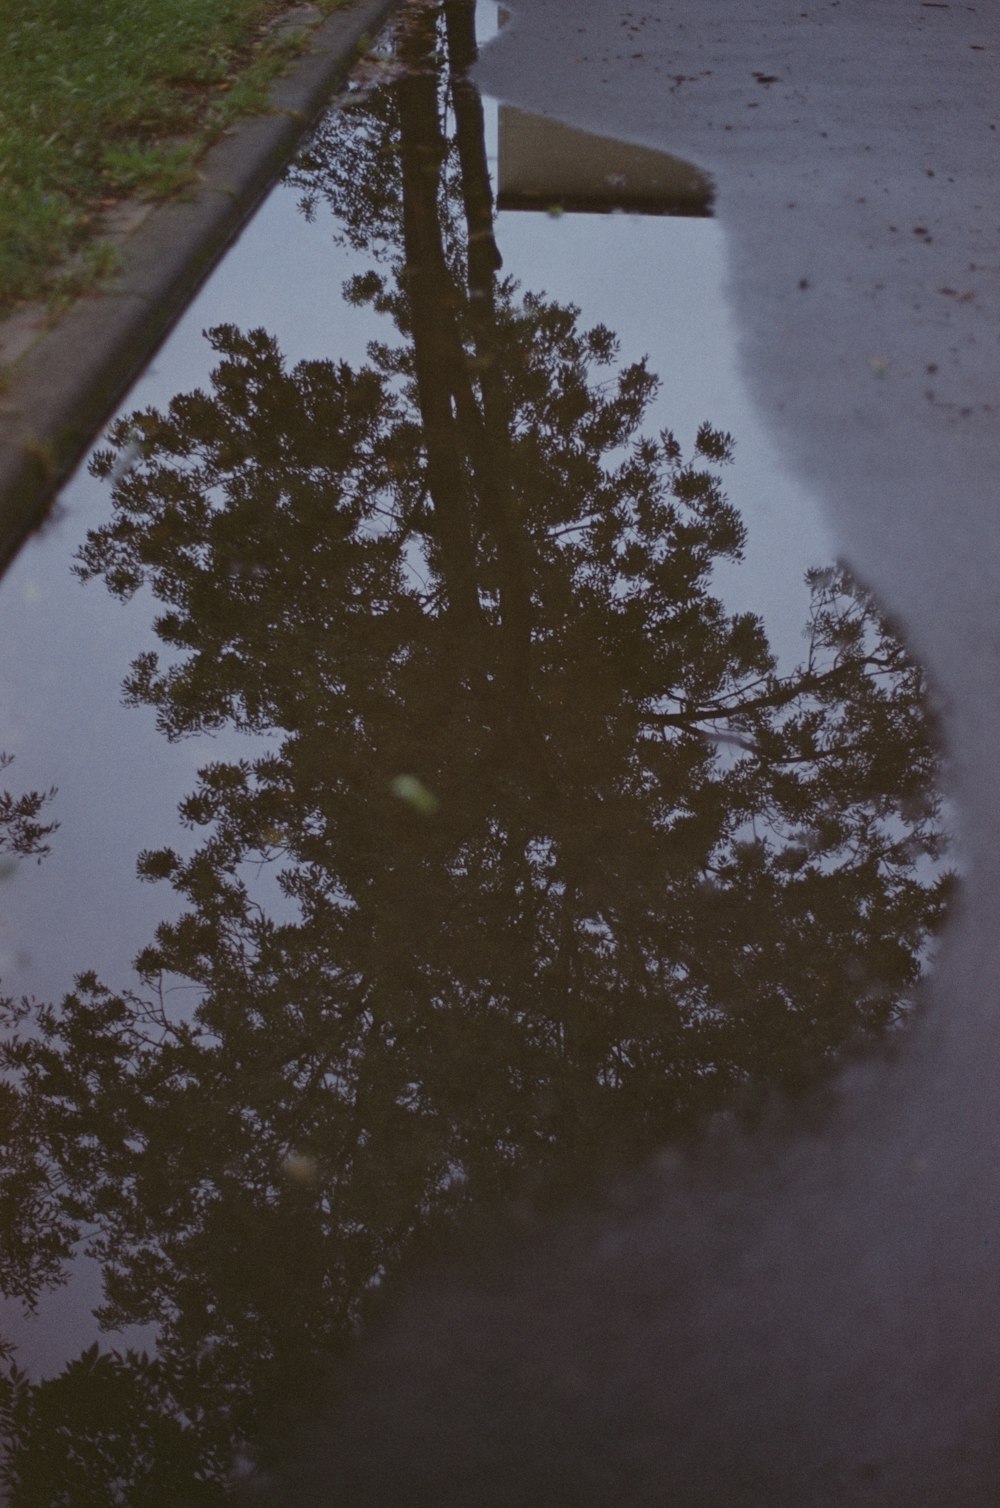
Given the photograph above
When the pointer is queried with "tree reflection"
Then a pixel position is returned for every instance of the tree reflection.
(562, 863)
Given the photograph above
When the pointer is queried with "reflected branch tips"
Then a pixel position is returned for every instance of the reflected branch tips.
(538, 864)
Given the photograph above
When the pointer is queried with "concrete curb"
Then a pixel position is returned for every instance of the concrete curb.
(70, 378)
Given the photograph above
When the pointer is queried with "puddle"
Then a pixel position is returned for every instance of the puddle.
(495, 821)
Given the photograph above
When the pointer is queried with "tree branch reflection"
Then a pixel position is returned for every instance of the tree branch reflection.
(564, 864)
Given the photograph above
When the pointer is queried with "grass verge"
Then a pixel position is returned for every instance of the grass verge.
(101, 99)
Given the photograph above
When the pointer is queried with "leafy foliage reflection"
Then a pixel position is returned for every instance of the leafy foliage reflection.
(542, 862)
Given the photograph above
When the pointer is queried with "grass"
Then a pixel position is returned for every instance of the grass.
(102, 99)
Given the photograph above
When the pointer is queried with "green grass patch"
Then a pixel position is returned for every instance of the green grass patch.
(100, 99)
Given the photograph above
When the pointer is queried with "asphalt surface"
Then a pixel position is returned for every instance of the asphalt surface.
(819, 1325)
(59, 384)
(855, 150)
(816, 1323)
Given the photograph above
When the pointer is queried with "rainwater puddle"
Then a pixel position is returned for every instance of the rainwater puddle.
(506, 798)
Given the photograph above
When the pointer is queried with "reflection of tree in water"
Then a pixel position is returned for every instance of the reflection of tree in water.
(22, 835)
(564, 863)
(29, 1259)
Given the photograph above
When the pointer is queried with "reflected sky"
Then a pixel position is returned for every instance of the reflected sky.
(521, 826)
(63, 652)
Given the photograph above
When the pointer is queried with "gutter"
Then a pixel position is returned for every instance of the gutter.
(60, 384)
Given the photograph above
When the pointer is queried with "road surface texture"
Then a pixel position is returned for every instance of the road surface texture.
(811, 1319)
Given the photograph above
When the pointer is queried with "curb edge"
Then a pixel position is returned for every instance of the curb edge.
(64, 388)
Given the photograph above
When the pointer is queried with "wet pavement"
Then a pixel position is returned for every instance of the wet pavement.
(519, 784)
